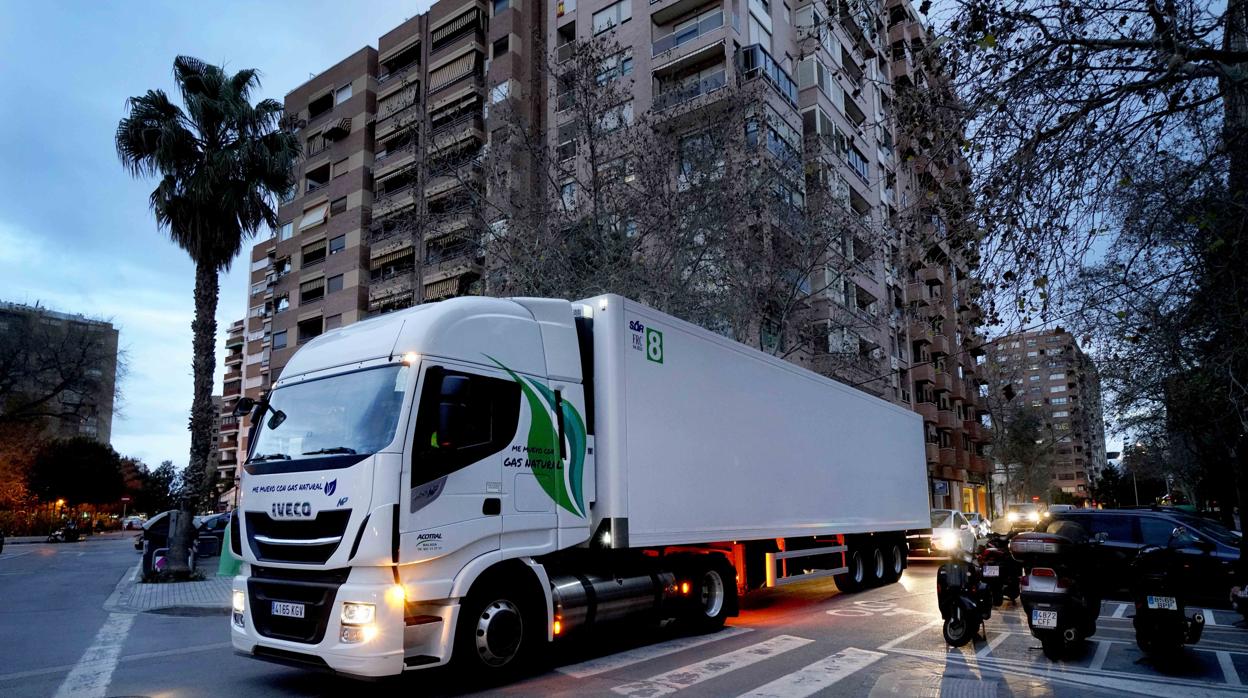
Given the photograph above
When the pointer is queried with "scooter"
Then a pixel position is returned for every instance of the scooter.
(65, 534)
(1002, 572)
(1162, 626)
(964, 599)
(1059, 593)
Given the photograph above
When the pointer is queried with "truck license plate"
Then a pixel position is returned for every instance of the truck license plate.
(1044, 619)
(288, 610)
(992, 571)
(1164, 603)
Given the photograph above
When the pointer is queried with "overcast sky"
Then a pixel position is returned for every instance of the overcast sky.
(75, 231)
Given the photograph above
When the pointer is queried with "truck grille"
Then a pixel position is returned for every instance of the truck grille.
(314, 589)
(308, 541)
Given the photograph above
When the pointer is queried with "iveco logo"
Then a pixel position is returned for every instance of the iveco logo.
(291, 510)
(429, 536)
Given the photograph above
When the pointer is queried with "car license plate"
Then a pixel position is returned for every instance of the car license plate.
(1044, 619)
(288, 610)
(1164, 603)
(992, 571)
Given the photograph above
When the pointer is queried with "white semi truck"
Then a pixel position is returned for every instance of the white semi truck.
(470, 480)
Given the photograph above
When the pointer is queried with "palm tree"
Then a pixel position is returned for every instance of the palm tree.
(221, 162)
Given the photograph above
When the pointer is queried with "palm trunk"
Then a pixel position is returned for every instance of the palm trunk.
(203, 364)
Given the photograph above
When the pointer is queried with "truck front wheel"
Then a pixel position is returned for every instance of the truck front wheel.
(499, 629)
(716, 591)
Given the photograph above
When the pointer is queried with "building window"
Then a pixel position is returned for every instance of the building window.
(567, 195)
(333, 322)
(341, 167)
(285, 231)
(308, 329)
(1061, 413)
(311, 291)
(313, 254)
(502, 46)
(500, 5)
(1057, 389)
(338, 206)
(616, 117)
(1033, 378)
(343, 94)
(338, 244)
(334, 284)
(616, 66)
(314, 216)
(1058, 401)
(1057, 376)
(279, 340)
(612, 15)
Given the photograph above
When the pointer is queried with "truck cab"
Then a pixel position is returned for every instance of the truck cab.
(394, 462)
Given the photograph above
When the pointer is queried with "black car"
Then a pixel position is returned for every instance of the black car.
(1210, 551)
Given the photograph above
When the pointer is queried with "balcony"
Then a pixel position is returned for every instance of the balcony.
(978, 464)
(964, 458)
(931, 452)
(943, 382)
(940, 344)
(948, 459)
(927, 410)
(923, 373)
(972, 429)
(754, 62)
(945, 419)
(688, 91)
(687, 34)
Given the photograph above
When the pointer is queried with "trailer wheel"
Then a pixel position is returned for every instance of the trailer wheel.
(498, 631)
(855, 578)
(715, 594)
(877, 567)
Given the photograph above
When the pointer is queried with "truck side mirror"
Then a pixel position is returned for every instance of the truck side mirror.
(244, 406)
(453, 410)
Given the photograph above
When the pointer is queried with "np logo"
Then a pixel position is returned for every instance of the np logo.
(341, 501)
(331, 487)
(291, 510)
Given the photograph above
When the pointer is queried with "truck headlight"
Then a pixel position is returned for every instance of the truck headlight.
(240, 601)
(358, 613)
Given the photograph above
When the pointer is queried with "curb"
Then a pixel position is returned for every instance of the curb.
(122, 599)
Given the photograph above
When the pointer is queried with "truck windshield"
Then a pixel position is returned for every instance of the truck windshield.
(347, 414)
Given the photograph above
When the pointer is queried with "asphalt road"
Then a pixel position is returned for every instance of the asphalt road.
(56, 639)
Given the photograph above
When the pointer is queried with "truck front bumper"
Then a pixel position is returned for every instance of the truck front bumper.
(402, 635)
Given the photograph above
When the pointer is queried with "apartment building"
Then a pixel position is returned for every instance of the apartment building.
(64, 362)
(384, 216)
(1047, 371)
(232, 436)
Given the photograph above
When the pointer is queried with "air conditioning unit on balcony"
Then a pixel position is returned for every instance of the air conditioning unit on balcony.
(894, 363)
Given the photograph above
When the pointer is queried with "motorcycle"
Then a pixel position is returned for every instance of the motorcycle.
(1162, 626)
(1059, 592)
(964, 599)
(1002, 572)
(65, 534)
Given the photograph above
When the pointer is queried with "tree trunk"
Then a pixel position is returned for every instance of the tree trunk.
(203, 364)
(1234, 135)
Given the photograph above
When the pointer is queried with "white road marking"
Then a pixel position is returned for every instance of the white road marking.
(1120, 612)
(1102, 652)
(601, 665)
(818, 676)
(10, 556)
(1228, 669)
(94, 671)
(128, 658)
(997, 638)
(1208, 614)
(897, 641)
(692, 674)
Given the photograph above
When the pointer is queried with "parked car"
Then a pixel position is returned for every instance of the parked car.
(131, 523)
(1209, 550)
(950, 531)
(213, 527)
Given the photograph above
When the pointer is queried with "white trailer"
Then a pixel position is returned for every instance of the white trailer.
(471, 479)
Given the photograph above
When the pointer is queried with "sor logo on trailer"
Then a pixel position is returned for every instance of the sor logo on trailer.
(648, 340)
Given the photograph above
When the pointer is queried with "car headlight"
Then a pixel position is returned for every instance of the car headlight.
(240, 600)
(1012, 516)
(945, 540)
(358, 613)
(1035, 516)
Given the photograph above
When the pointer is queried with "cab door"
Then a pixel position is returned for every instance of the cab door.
(464, 422)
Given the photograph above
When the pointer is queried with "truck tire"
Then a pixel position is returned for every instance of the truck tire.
(877, 567)
(894, 562)
(499, 633)
(715, 594)
(855, 578)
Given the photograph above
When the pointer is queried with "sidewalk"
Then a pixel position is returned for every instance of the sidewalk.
(133, 596)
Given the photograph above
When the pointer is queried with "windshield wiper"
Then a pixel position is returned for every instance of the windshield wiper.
(331, 449)
(270, 456)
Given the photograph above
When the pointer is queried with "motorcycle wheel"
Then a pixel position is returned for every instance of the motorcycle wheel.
(997, 598)
(1054, 646)
(959, 629)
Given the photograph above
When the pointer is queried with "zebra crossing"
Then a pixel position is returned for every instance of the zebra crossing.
(805, 681)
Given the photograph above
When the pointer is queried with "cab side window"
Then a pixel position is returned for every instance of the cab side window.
(484, 412)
